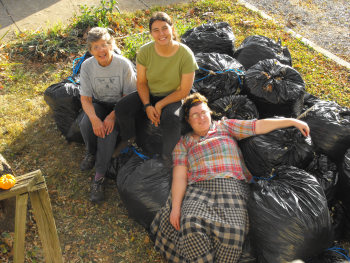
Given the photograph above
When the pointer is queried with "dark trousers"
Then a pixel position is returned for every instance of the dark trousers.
(102, 148)
(131, 106)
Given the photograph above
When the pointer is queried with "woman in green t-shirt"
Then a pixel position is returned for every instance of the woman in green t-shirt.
(165, 74)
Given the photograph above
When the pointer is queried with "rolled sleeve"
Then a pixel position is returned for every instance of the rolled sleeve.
(180, 154)
(240, 129)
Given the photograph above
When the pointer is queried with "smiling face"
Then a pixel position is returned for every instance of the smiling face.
(102, 51)
(199, 118)
(162, 32)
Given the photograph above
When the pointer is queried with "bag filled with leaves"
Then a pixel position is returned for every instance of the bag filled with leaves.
(210, 38)
(218, 75)
(148, 136)
(264, 153)
(329, 128)
(143, 186)
(276, 89)
(234, 107)
(64, 100)
(257, 48)
(289, 217)
(326, 173)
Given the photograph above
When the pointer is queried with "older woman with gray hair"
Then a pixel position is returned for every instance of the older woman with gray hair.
(104, 79)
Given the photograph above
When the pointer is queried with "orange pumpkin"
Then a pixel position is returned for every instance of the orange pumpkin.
(7, 181)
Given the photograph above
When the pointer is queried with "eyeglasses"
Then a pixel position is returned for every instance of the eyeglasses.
(103, 46)
(198, 115)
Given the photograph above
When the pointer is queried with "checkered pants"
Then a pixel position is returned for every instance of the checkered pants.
(214, 223)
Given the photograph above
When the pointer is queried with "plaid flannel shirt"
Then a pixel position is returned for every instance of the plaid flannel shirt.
(217, 154)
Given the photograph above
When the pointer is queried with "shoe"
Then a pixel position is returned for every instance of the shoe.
(97, 191)
(88, 162)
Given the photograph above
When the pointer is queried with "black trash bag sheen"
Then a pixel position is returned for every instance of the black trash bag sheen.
(64, 100)
(276, 89)
(210, 38)
(289, 217)
(234, 107)
(148, 136)
(326, 173)
(74, 133)
(256, 48)
(329, 128)
(226, 81)
(143, 186)
(344, 183)
(331, 255)
(264, 153)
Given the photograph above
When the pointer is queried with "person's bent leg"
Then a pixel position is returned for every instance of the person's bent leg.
(90, 140)
(125, 112)
(170, 127)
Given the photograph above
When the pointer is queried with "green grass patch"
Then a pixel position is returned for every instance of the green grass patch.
(29, 139)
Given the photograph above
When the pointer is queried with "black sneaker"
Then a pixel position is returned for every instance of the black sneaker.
(97, 191)
(88, 162)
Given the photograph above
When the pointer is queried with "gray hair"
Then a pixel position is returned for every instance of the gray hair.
(97, 33)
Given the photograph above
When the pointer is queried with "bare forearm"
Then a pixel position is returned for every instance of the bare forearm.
(143, 91)
(88, 107)
(178, 187)
(173, 97)
(268, 125)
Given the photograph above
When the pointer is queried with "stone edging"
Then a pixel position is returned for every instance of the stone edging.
(304, 40)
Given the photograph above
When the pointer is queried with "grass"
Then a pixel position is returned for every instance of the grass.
(29, 139)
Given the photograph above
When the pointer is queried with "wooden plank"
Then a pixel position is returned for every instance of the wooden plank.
(23, 184)
(20, 227)
(46, 225)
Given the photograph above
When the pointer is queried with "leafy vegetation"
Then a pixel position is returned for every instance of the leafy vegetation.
(29, 139)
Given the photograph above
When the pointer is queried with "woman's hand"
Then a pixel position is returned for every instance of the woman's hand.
(175, 215)
(302, 126)
(153, 115)
(98, 128)
(109, 123)
(158, 108)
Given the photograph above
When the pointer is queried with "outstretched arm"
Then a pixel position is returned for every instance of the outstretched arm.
(178, 190)
(268, 125)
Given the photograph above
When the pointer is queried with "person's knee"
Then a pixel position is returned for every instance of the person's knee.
(85, 123)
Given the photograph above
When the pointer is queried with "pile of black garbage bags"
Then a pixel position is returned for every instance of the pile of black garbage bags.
(300, 201)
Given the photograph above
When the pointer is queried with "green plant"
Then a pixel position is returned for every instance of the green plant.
(133, 42)
(95, 16)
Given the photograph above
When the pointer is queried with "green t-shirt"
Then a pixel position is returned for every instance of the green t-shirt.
(164, 73)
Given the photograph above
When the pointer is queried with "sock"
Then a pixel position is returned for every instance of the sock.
(98, 176)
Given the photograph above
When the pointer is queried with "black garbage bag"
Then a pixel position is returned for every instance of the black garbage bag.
(264, 153)
(344, 182)
(210, 38)
(329, 128)
(331, 255)
(218, 75)
(143, 186)
(64, 100)
(326, 173)
(276, 89)
(148, 136)
(309, 101)
(340, 220)
(289, 217)
(74, 134)
(119, 161)
(257, 48)
(248, 253)
(234, 107)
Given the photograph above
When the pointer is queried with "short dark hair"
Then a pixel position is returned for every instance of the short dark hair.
(190, 101)
(160, 16)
